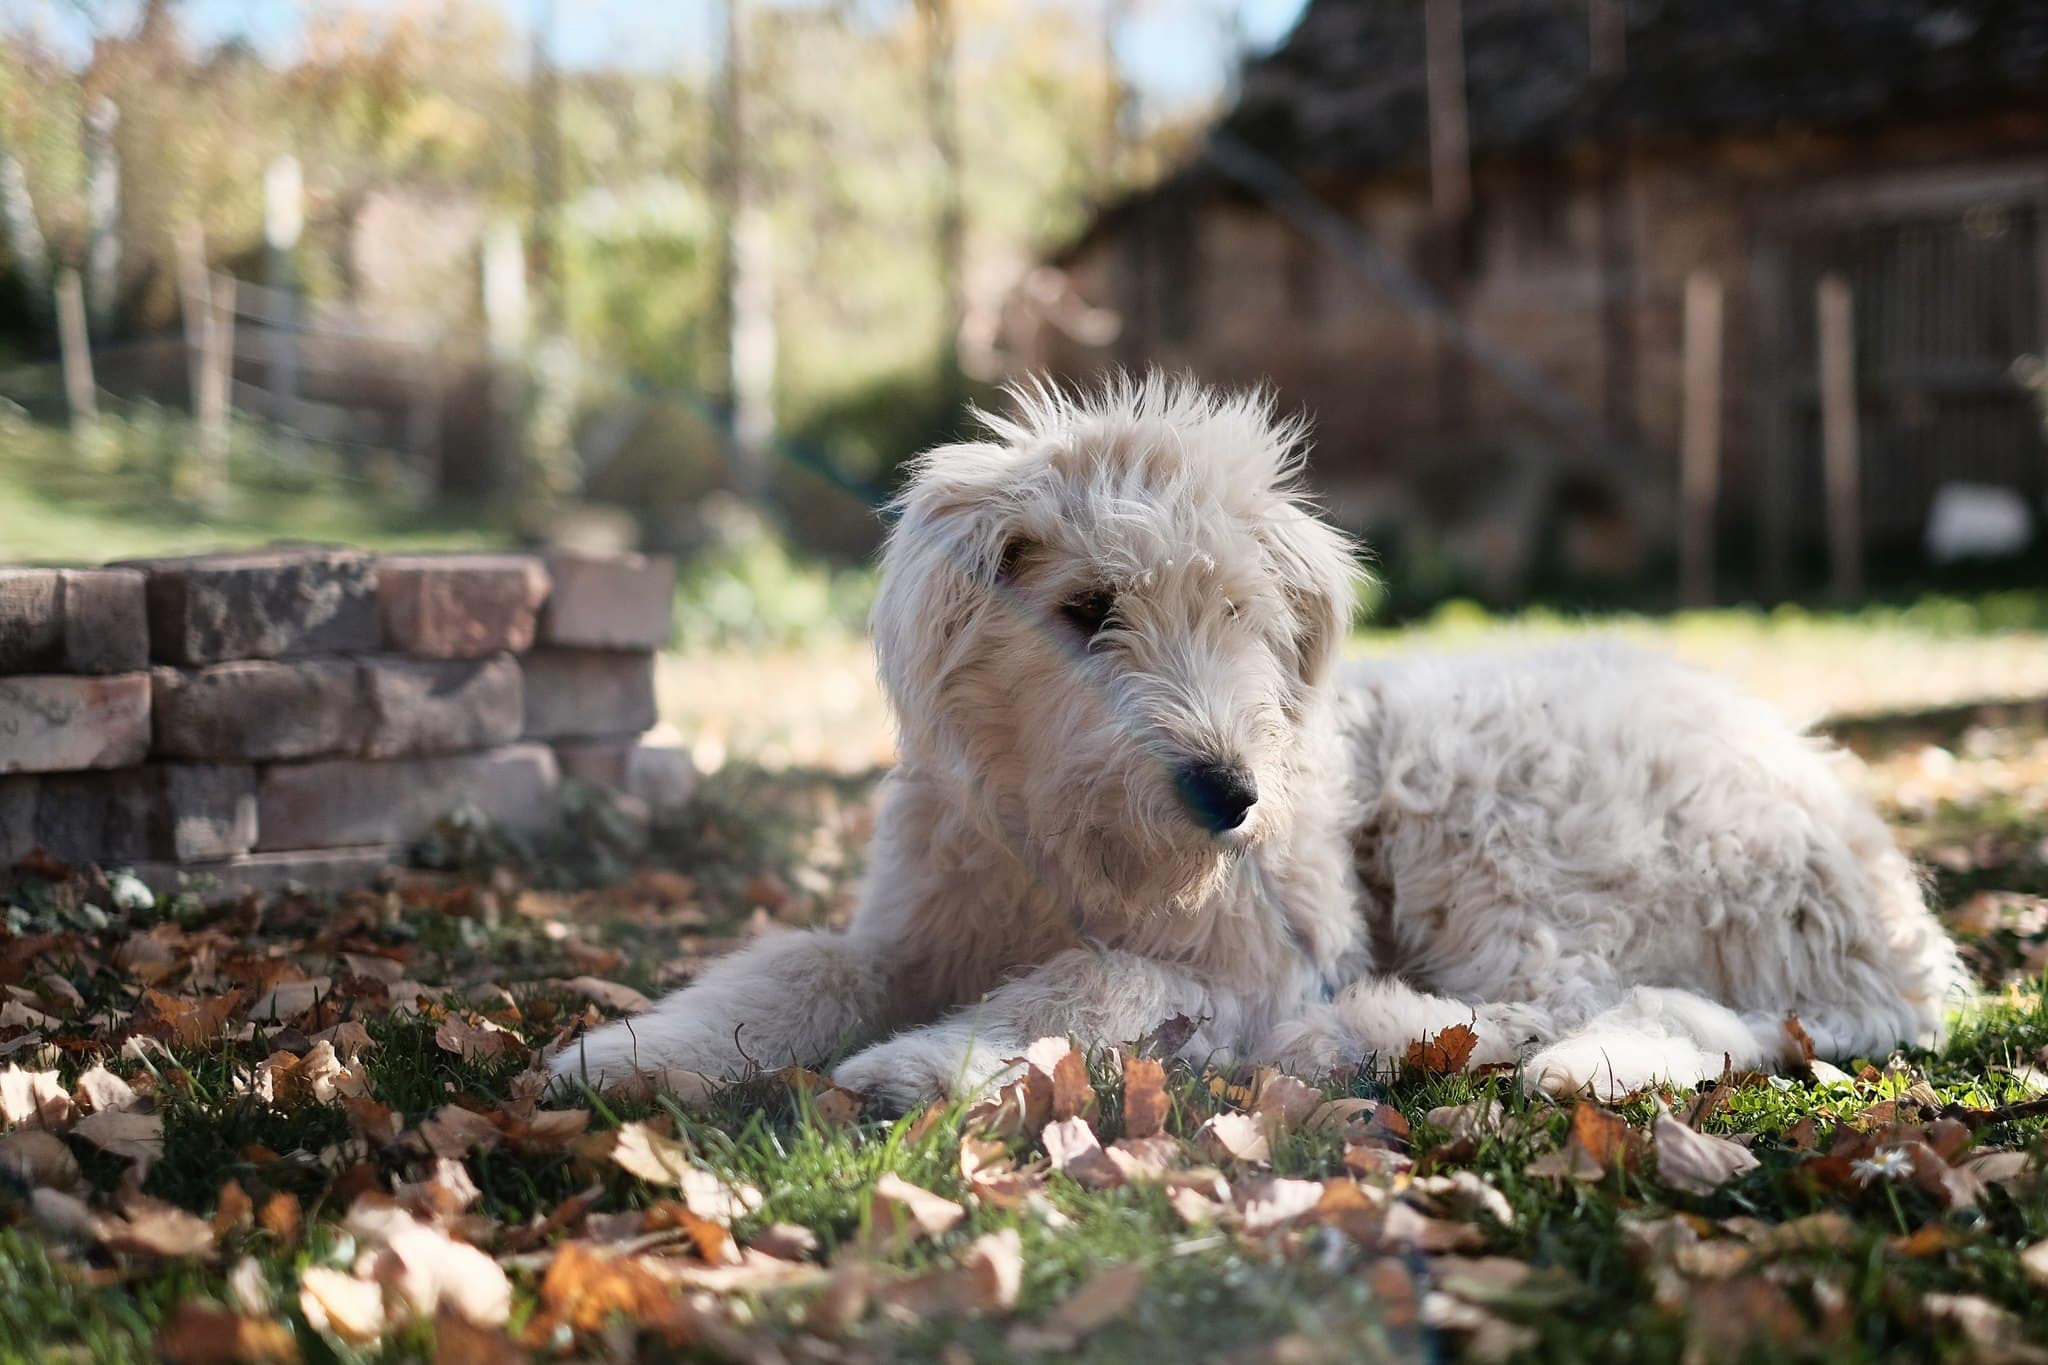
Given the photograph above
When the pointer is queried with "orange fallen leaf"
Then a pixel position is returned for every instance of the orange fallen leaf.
(1446, 1053)
(199, 1334)
(1145, 1102)
(900, 1213)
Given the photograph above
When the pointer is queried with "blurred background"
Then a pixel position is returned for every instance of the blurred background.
(1719, 324)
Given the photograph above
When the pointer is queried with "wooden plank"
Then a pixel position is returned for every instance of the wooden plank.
(1839, 453)
(76, 350)
(1700, 449)
(1450, 155)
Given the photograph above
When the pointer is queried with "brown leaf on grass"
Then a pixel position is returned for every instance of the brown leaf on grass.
(1073, 1095)
(1446, 1053)
(610, 994)
(482, 1040)
(341, 1306)
(458, 1341)
(1145, 1102)
(789, 1241)
(1404, 1226)
(186, 1021)
(199, 1334)
(151, 1227)
(1695, 1162)
(1234, 1137)
(36, 1097)
(232, 1209)
(1019, 1109)
(1996, 1335)
(585, 1286)
(901, 1213)
(38, 1158)
(282, 1218)
(1480, 1118)
(1270, 1205)
(1801, 1040)
(662, 1160)
(1284, 1103)
(426, 1270)
(1074, 1150)
(2034, 1260)
(1489, 1338)
(454, 1131)
(1142, 1159)
(102, 1091)
(124, 1133)
(288, 1000)
(986, 1281)
(1096, 1304)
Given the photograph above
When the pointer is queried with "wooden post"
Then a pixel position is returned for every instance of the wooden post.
(212, 401)
(1450, 170)
(76, 350)
(1840, 457)
(1700, 449)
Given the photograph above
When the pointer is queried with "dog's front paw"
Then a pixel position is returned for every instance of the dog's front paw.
(912, 1069)
(1611, 1066)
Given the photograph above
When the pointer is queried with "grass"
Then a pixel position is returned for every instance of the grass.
(114, 494)
(792, 841)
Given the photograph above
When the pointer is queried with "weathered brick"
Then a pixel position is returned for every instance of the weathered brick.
(654, 767)
(261, 604)
(609, 602)
(441, 706)
(259, 709)
(72, 621)
(588, 693)
(60, 724)
(266, 874)
(460, 606)
(335, 803)
(176, 811)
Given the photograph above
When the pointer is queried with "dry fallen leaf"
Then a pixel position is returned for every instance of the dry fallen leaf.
(901, 1212)
(1074, 1150)
(474, 1041)
(1073, 1096)
(341, 1306)
(1996, 1335)
(1093, 1306)
(102, 1091)
(1696, 1162)
(428, 1271)
(124, 1133)
(585, 1286)
(1446, 1053)
(199, 1334)
(1234, 1137)
(38, 1158)
(32, 1097)
(151, 1227)
(1145, 1102)
(662, 1160)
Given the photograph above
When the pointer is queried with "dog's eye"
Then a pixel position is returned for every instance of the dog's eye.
(1089, 612)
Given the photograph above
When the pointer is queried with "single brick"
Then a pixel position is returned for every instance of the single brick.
(441, 706)
(266, 874)
(182, 812)
(61, 724)
(261, 604)
(72, 621)
(460, 606)
(588, 693)
(655, 767)
(260, 709)
(609, 602)
(338, 802)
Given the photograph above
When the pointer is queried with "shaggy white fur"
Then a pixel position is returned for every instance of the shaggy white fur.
(1133, 786)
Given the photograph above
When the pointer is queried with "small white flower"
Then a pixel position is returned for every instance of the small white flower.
(129, 892)
(1893, 1163)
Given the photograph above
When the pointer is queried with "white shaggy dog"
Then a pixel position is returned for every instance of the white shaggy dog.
(1132, 785)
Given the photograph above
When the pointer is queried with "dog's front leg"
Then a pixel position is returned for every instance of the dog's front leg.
(797, 997)
(1094, 996)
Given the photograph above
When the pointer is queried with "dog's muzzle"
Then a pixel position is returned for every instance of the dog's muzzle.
(1218, 795)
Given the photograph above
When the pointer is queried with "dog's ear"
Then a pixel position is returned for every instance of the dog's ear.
(1320, 578)
(953, 538)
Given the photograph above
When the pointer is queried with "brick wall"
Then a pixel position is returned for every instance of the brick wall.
(305, 714)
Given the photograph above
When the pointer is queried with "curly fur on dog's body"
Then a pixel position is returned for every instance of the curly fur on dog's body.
(1615, 867)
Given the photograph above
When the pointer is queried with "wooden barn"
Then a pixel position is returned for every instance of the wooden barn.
(1549, 274)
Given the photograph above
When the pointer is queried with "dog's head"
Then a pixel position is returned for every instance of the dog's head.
(1115, 621)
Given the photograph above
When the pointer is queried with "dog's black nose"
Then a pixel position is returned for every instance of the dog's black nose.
(1218, 795)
